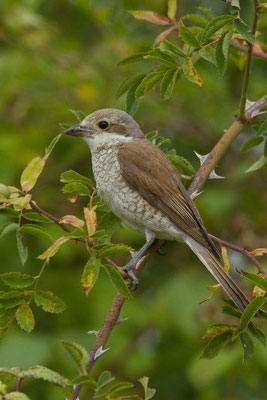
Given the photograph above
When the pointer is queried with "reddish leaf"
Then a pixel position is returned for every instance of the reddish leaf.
(150, 16)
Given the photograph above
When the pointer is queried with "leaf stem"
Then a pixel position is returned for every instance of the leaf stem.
(244, 93)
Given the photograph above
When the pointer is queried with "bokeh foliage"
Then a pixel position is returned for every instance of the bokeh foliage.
(63, 54)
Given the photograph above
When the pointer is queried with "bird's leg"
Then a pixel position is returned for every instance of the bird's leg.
(129, 267)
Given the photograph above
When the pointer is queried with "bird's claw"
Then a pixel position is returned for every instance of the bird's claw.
(129, 269)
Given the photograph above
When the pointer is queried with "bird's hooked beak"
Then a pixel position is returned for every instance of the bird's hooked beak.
(78, 130)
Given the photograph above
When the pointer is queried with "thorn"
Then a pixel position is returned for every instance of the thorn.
(120, 320)
(99, 352)
(213, 175)
(195, 194)
(93, 332)
(201, 158)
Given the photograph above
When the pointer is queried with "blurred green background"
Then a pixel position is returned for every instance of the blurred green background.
(60, 55)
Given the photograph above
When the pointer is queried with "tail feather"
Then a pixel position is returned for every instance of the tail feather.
(215, 268)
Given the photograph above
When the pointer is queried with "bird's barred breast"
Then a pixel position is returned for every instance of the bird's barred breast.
(126, 203)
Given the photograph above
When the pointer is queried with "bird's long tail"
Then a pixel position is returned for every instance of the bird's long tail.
(216, 269)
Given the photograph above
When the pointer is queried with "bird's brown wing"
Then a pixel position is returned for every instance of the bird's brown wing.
(148, 171)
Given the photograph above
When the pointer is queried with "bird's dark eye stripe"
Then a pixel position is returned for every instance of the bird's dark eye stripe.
(103, 124)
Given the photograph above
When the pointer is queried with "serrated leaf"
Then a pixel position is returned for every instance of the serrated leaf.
(90, 274)
(85, 380)
(221, 51)
(248, 346)
(150, 80)
(78, 114)
(172, 6)
(53, 249)
(76, 187)
(257, 334)
(191, 73)
(117, 280)
(214, 25)
(31, 173)
(16, 396)
(167, 83)
(131, 59)
(109, 249)
(158, 55)
(180, 162)
(104, 379)
(24, 317)
(127, 83)
(49, 302)
(36, 230)
(78, 353)
(243, 30)
(209, 14)
(17, 280)
(8, 228)
(195, 19)
(257, 165)
(131, 103)
(150, 16)
(119, 387)
(71, 176)
(256, 280)
(171, 49)
(208, 53)
(149, 393)
(188, 36)
(10, 299)
(22, 249)
(9, 212)
(252, 308)
(219, 328)
(215, 344)
(72, 220)
(50, 147)
(252, 142)
(34, 216)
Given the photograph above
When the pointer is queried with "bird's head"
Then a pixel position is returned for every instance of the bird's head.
(106, 126)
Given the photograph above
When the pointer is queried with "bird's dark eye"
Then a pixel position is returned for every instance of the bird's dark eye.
(103, 124)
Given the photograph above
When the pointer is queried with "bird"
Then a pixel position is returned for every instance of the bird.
(145, 191)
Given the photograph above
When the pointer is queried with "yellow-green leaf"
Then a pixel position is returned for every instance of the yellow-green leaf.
(72, 220)
(17, 280)
(49, 302)
(24, 317)
(150, 16)
(31, 173)
(226, 261)
(90, 220)
(90, 274)
(172, 6)
(117, 280)
(53, 249)
(191, 73)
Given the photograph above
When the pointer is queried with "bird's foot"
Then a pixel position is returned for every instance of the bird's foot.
(129, 268)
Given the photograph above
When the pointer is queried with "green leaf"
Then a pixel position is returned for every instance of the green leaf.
(215, 344)
(71, 176)
(53, 249)
(149, 393)
(257, 280)
(257, 165)
(7, 228)
(171, 49)
(248, 346)
(34, 216)
(76, 187)
(150, 16)
(252, 142)
(109, 249)
(257, 334)
(90, 275)
(134, 58)
(119, 387)
(220, 328)
(167, 83)
(49, 302)
(36, 230)
(4, 190)
(9, 212)
(78, 114)
(78, 353)
(46, 374)
(172, 6)
(31, 173)
(104, 379)
(10, 299)
(214, 25)
(195, 19)
(117, 280)
(191, 73)
(17, 280)
(263, 128)
(252, 308)
(85, 380)
(24, 317)
(50, 147)
(22, 250)
(265, 149)
(188, 36)
(129, 82)
(158, 55)
(16, 396)
(208, 53)
(131, 103)
(209, 14)
(231, 311)
(180, 162)
(243, 30)
(147, 83)
(221, 51)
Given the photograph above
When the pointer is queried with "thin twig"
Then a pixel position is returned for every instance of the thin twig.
(242, 251)
(244, 49)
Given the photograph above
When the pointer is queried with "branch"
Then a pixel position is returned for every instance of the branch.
(243, 48)
(242, 251)
(244, 93)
